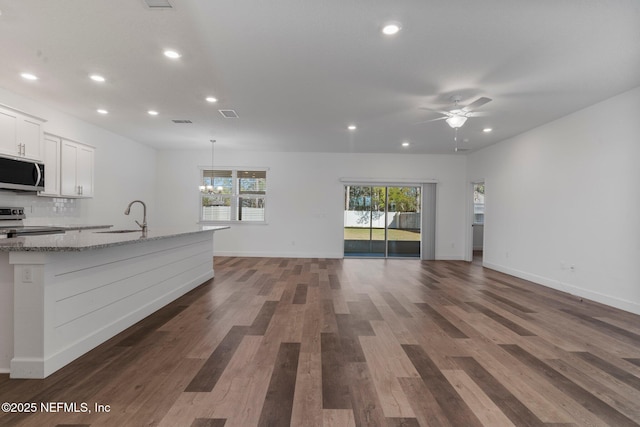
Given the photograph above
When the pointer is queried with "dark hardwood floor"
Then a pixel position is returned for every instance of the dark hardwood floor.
(315, 342)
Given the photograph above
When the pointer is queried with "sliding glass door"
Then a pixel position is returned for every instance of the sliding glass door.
(381, 221)
(404, 219)
(364, 216)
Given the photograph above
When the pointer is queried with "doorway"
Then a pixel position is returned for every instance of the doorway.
(382, 221)
(477, 224)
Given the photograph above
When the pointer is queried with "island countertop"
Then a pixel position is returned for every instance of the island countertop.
(73, 241)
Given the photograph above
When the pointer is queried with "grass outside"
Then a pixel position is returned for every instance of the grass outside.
(353, 233)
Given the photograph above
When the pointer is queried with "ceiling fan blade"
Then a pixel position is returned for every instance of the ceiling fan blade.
(476, 114)
(477, 103)
(433, 120)
(446, 113)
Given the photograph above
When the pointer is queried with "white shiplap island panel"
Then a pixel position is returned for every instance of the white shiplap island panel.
(76, 290)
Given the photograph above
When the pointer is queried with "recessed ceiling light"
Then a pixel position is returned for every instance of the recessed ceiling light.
(352, 127)
(29, 76)
(97, 78)
(172, 54)
(102, 111)
(390, 29)
(487, 130)
(405, 144)
(152, 112)
(211, 99)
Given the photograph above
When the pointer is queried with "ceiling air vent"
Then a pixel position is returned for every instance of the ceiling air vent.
(229, 114)
(181, 121)
(158, 4)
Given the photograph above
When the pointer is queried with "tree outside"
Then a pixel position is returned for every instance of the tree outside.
(370, 202)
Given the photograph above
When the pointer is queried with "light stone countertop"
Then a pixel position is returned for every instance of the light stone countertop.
(73, 241)
(71, 227)
(67, 227)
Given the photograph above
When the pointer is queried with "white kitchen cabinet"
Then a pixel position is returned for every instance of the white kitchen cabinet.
(21, 135)
(30, 137)
(8, 132)
(51, 157)
(85, 170)
(76, 169)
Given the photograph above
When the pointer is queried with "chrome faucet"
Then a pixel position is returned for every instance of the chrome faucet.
(144, 218)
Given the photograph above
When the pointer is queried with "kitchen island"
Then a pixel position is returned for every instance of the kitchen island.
(75, 290)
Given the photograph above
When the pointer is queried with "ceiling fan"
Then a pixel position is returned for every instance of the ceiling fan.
(458, 115)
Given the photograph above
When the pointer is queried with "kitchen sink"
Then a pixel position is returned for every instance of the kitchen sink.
(119, 231)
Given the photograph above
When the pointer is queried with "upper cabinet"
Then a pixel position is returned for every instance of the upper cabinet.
(20, 134)
(51, 157)
(68, 168)
(30, 137)
(8, 132)
(76, 169)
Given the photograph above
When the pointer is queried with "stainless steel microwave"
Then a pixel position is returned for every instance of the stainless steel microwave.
(21, 175)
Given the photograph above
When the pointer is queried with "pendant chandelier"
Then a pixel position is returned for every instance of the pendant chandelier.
(204, 188)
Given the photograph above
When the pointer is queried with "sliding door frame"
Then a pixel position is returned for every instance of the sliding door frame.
(428, 188)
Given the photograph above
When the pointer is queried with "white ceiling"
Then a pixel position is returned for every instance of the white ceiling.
(297, 72)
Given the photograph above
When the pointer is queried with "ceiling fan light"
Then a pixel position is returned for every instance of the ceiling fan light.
(456, 121)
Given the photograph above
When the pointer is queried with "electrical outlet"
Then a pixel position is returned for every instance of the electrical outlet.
(27, 275)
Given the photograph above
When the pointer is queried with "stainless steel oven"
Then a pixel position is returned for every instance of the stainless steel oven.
(11, 224)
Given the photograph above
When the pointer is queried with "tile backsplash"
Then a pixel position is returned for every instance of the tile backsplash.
(43, 210)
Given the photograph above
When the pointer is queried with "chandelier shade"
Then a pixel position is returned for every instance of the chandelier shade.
(456, 121)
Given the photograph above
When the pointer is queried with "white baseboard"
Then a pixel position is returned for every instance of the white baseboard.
(570, 289)
(450, 258)
(329, 255)
(333, 255)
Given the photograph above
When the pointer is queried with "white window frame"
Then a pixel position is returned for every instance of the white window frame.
(235, 194)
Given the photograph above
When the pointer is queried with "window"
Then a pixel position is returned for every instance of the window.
(233, 195)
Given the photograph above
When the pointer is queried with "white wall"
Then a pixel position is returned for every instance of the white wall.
(305, 188)
(568, 194)
(125, 170)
